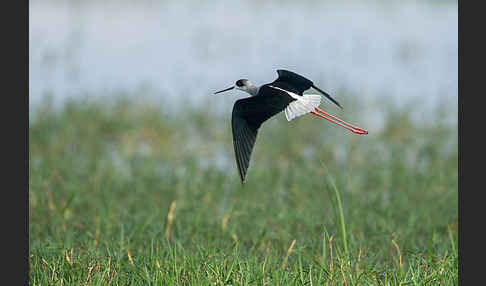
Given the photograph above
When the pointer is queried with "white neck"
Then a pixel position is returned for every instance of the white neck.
(252, 90)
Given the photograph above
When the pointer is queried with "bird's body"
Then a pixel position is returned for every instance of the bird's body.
(286, 93)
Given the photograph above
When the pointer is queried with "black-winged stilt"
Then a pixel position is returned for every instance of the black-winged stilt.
(286, 93)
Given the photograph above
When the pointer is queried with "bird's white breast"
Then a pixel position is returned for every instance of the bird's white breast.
(302, 105)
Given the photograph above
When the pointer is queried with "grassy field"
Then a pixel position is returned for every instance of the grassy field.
(127, 192)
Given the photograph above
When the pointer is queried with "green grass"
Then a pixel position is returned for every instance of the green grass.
(127, 192)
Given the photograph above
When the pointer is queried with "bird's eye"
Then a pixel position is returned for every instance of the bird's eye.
(239, 83)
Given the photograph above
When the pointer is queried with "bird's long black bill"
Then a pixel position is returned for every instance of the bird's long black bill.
(230, 88)
(327, 95)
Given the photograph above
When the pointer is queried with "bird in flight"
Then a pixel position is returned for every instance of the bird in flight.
(286, 94)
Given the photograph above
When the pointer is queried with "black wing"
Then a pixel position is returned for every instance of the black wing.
(298, 84)
(248, 115)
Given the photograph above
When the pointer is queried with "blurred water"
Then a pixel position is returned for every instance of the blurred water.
(187, 49)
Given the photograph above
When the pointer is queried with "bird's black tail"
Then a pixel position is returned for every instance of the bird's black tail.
(327, 95)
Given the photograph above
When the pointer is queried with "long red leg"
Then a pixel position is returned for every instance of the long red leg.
(334, 117)
(346, 125)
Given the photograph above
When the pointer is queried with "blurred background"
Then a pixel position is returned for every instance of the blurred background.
(130, 151)
(403, 51)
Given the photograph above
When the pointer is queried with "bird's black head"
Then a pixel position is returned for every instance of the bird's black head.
(241, 83)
